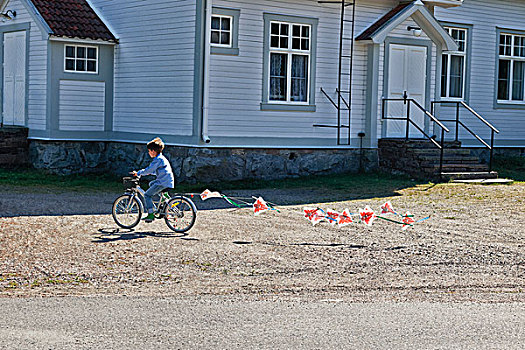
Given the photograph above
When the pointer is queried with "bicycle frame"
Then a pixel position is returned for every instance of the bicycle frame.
(139, 193)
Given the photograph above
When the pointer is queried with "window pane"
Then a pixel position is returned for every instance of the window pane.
(444, 74)
(306, 32)
(225, 38)
(274, 29)
(81, 52)
(70, 51)
(519, 46)
(503, 79)
(278, 64)
(92, 53)
(215, 23)
(274, 41)
(296, 30)
(299, 78)
(456, 76)
(505, 45)
(215, 37)
(225, 24)
(517, 81)
(81, 65)
(305, 44)
(283, 43)
(296, 43)
(284, 29)
(70, 64)
(91, 66)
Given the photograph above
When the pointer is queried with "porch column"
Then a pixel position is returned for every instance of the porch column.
(372, 96)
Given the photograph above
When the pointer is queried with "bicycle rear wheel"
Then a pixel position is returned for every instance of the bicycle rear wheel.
(180, 214)
(127, 211)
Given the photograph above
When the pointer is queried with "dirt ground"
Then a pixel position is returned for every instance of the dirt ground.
(471, 249)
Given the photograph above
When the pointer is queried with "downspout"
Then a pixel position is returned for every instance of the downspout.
(206, 77)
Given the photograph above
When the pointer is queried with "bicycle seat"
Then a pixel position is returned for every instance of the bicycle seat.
(166, 190)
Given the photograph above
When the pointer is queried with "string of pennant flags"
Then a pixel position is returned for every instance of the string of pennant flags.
(317, 215)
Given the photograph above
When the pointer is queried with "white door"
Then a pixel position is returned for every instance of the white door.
(407, 72)
(14, 84)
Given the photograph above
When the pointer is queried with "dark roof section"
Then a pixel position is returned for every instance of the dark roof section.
(367, 34)
(73, 19)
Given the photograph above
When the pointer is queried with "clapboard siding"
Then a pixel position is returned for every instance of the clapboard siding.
(37, 74)
(81, 105)
(154, 64)
(485, 16)
(236, 81)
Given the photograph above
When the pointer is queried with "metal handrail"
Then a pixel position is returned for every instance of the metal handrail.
(407, 101)
(458, 123)
(479, 117)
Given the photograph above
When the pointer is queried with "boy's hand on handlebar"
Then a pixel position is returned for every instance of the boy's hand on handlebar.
(134, 173)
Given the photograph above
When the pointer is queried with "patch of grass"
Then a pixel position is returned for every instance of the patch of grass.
(510, 167)
(32, 179)
(360, 185)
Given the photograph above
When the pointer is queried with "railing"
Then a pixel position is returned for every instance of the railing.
(459, 122)
(408, 101)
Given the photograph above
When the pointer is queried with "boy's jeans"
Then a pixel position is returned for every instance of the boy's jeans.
(148, 197)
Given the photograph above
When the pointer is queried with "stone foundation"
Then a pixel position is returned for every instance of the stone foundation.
(197, 164)
(13, 147)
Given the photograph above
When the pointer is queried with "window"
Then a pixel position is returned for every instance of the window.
(82, 59)
(453, 66)
(224, 36)
(511, 68)
(221, 30)
(289, 62)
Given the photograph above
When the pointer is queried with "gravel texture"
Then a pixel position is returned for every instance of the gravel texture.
(472, 248)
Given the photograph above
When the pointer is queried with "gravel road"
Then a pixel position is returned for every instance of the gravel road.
(210, 322)
(472, 249)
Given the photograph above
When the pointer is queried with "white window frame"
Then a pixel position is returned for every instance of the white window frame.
(449, 64)
(511, 58)
(290, 52)
(83, 59)
(230, 18)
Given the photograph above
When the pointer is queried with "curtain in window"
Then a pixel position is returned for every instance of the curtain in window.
(278, 65)
(444, 75)
(517, 81)
(456, 75)
(299, 78)
(503, 79)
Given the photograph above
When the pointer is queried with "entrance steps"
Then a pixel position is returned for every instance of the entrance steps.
(14, 147)
(420, 158)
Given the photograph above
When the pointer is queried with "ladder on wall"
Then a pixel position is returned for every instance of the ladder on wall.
(343, 102)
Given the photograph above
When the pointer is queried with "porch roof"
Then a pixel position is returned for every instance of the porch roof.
(379, 30)
(73, 19)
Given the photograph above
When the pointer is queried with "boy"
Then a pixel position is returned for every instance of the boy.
(160, 167)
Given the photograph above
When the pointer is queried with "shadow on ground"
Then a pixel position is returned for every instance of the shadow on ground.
(107, 235)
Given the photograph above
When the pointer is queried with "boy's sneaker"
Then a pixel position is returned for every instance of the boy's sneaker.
(149, 218)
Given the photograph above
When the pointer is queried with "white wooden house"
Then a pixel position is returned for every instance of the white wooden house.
(260, 74)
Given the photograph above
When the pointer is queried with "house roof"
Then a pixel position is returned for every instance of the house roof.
(367, 34)
(73, 19)
(379, 30)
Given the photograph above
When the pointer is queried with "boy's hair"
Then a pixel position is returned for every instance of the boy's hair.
(156, 145)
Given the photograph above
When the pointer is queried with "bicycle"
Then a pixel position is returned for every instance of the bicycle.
(179, 212)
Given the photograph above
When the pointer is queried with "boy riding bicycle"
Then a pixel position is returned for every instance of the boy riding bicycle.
(161, 168)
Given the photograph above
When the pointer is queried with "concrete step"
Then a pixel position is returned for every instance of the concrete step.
(449, 158)
(469, 175)
(416, 143)
(447, 152)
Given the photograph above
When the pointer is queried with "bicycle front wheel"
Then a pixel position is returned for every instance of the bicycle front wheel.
(126, 211)
(180, 214)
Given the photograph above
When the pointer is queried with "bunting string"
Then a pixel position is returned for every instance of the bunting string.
(316, 215)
